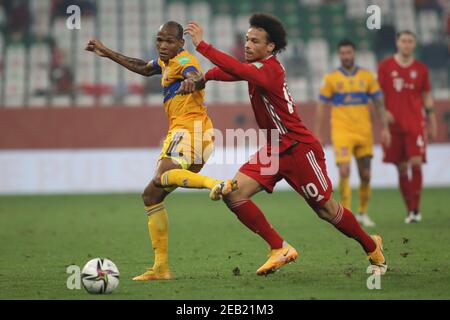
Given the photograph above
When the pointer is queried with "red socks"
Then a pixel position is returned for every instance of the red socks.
(250, 215)
(346, 223)
(416, 188)
(411, 188)
(405, 188)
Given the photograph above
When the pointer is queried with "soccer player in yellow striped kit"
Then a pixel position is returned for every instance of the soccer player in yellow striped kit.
(189, 141)
(348, 90)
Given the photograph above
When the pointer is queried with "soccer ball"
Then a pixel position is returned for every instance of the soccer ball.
(100, 276)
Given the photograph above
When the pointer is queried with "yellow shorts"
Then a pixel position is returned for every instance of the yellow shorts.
(187, 146)
(346, 146)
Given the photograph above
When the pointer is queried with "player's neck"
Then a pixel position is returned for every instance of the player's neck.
(404, 61)
(351, 69)
(267, 57)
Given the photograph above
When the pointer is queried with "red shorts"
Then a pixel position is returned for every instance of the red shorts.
(303, 167)
(404, 146)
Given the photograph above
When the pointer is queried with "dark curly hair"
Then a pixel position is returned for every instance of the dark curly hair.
(274, 28)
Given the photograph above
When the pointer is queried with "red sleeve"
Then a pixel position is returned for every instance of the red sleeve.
(219, 75)
(229, 64)
(426, 81)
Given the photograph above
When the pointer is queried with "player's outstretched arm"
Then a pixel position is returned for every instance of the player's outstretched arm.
(383, 116)
(194, 81)
(197, 82)
(136, 65)
(229, 64)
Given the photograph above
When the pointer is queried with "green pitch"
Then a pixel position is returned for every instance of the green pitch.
(212, 255)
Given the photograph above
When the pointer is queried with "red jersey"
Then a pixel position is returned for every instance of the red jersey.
(403, 88)
(269, 94)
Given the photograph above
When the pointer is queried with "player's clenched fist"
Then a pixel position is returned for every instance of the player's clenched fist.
(97, 47)
(187, 86)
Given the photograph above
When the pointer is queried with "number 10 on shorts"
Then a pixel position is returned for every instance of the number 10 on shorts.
(312, 192)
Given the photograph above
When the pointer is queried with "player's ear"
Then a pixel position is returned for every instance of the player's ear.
(182, 42)
(271, 47)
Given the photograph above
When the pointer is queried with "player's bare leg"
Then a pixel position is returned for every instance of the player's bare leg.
(415, 189)
(281, 253)
(345, 190)
(153, 197)
(364, 170)
(346, 223)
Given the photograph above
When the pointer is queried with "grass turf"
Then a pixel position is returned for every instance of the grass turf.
(41, 235)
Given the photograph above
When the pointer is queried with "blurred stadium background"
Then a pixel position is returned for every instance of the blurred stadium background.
(72, 122)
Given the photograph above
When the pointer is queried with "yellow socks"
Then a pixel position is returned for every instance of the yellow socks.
(158, 224)
(187, 179)
(364, 195)
(346, 192)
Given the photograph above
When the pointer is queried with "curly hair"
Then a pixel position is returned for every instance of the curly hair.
(274, 28)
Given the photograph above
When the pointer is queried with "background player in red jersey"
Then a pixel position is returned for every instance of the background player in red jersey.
(406, 87)
(299, 155)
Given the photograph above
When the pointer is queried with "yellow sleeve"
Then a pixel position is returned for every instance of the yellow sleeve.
(186, 64)
(373, 86)
(155, 63)
(326, 89)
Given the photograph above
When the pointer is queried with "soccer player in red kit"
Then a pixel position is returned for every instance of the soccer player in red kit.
(406, 87)
(301, 161)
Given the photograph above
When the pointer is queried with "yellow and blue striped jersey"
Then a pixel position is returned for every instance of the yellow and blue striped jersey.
(349, 94)
(180, 109)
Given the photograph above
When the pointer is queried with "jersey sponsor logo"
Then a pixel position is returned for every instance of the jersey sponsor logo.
(353, 98)
(258, 65)
(183, 60)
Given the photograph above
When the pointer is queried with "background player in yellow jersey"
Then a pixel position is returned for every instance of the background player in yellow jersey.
(189, 141)
(348, 90)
